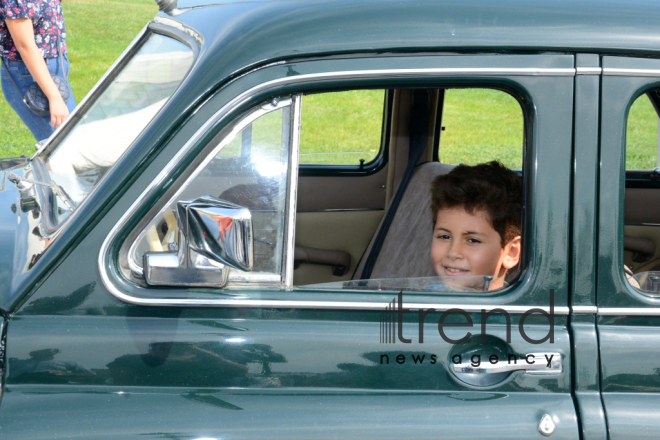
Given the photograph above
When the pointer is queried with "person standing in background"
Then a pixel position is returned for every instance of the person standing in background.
(29, 35)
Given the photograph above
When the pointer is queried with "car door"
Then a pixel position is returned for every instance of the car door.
(97, 350)
(628, 311)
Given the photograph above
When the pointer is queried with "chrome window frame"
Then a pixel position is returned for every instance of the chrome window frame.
(430, 73)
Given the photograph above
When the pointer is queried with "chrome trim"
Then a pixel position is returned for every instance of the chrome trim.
(92, 92)
(546, 425)
(183, 269)
(180, 26)
(296, 113)
(632, 311)
(218, 230)
(103, 261)
(609, 71)
(588, 70)
(642, 224)
(256, 278)
(330, 305)
(584, 310)
(214, 236)
(432, 72)
(538, 368)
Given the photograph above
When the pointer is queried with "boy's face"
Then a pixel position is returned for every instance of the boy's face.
(467, 245)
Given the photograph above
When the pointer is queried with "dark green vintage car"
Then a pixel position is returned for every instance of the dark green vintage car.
(229, 238)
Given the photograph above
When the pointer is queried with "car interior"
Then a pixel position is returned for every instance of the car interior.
(642, 211)
(343, 209)
(366, 162)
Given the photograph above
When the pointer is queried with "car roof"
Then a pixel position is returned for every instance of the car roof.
(242, 35)
(293, 28)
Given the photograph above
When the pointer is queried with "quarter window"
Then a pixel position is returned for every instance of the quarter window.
(249, 167)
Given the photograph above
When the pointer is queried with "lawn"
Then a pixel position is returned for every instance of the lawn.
(480, 124)
(97, 33)
(642, 136)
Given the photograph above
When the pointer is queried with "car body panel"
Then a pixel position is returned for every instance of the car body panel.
(22, 240)
(193, 413)
(584, 337)
(628, 324)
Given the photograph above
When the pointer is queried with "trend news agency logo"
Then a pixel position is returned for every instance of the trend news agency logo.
(391, 322)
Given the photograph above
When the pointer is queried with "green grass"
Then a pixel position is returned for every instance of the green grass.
(642, 136)
(481, 125)
(97, 33)
(331, 133)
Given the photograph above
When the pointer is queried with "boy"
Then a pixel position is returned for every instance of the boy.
(477, 217)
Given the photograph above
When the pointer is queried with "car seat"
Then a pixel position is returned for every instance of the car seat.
(406, 250)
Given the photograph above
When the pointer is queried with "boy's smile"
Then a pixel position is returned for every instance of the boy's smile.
(466, 244)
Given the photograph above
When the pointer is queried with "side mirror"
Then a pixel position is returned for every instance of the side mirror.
(214, 235)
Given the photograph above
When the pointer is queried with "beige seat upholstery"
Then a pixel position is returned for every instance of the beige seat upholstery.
(406, 251)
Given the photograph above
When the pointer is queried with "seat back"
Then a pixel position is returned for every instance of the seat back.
(406, 251)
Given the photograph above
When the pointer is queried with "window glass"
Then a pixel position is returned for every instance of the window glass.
(467, 283)
(341, 128)
(481, 125)
(642, 135)
(116, 118)
(250, 169)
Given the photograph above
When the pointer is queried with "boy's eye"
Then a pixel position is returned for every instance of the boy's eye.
(442, 237)
(473, 240)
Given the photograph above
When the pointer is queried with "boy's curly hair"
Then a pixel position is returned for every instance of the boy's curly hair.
(490, 187)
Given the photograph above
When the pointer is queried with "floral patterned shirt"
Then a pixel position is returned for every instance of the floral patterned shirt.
(47, 21)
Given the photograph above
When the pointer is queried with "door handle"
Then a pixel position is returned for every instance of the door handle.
(532, 363)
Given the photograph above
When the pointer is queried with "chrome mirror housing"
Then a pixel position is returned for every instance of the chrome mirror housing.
(219, 230)
(214, 235)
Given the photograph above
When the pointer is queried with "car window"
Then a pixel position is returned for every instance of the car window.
(342, 128)
(110, 124)
(251, 165)
(332, 244)
(641, 241)
(248, 167)
(642, 135)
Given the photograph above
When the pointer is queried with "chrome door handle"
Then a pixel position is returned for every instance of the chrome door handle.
(532, 363)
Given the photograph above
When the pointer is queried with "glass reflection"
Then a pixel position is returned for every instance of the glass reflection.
(117, 117)
(251, 171)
